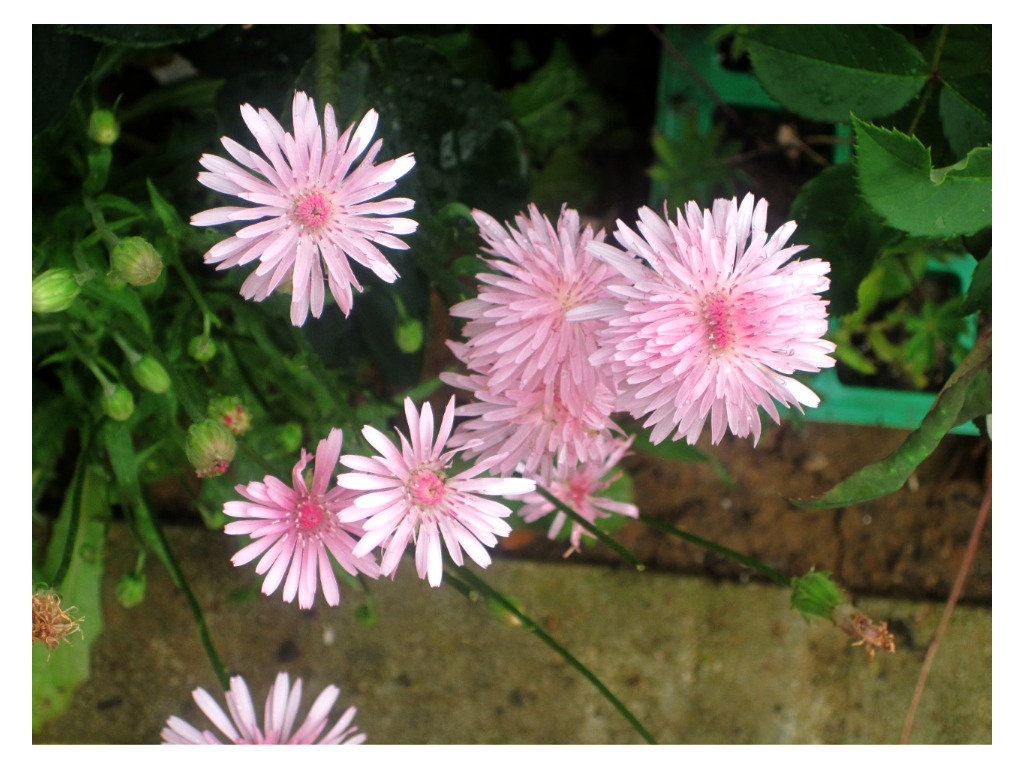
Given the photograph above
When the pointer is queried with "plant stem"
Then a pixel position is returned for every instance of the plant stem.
(947, 613)
(77, 483)
(603, 537)
(933, 78)
(478, 584)
(750, 562)
(106, 234)
(327, 59)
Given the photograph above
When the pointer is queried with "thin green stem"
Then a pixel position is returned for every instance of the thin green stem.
(167, 556)
(750, 562)
(109, 238)
(603, 537)
(197, 296)
(932, 79)
(327, 61)
(476, 583)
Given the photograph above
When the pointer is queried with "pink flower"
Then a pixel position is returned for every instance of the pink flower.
(518, 331)
(716, 323)
(241, 726)
(577, 486)
(408, 494)
(519, 429)
(296, 527)
(317, 203)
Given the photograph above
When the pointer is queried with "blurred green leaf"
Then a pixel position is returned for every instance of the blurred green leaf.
(966, 396)
(895, 174)
(60, 63)
(965, 107)
(142, 35)
(841, 228)
(824, 72)
(979, 294)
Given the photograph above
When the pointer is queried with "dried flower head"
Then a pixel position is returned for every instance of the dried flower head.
(866, 632)
(50, 622)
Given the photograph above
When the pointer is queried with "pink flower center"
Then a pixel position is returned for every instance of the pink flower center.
(579, 490)
(309, 514)
(719, 321)
(426, 487)
(313, 210)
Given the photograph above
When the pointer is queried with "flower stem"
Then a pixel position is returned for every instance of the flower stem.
(106, 234)
(479, 585)
(750, 562)
(603, 537)
(327, 61)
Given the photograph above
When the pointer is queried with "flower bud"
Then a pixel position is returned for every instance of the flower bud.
(409, 335)
(54, 290)
(118, 402)
(138, 262)
(815, 594)
(230, 412)
(131, 589)
(151, 375)
(103, 127)
(202, 348)
(210, 447)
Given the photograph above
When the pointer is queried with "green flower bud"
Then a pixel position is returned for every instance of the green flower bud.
(118, 402)
(136, 261)
(202, 348)
(151, 375)
(210, 447)
(131, 589)
(409, 335)
(103, 127)
(54, 290)
(289, 437)
(230, 412)
(815, 594)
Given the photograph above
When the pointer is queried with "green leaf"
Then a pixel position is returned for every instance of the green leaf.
(824, 72)
(967, 395)
(56, 675)
(167, 213)
(895, 175)
(60, 63)
(965, 108)
(839, 227)
(142, 35)
(979, 294)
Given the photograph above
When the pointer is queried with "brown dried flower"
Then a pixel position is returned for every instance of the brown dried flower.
(50, 622)
(860, 627)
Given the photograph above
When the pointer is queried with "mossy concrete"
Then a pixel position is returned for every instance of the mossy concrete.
(696, 661)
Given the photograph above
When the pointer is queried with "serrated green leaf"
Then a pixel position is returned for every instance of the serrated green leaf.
(967, 395)
(965, 108)
(824, 72)
(839, 227)
(895, 174)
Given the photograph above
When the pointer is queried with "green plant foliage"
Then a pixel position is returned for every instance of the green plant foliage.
(824, 72)
(839, 226)
(895, 174)
(696, 165)
(966, 396)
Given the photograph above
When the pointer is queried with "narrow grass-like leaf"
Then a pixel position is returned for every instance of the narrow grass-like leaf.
(967, 395)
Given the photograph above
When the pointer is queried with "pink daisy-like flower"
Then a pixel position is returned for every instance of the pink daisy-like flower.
(408, 494)
(240, 725)
(295, 526)
(716, 323)
(518, 330)
(519, 429)
(317, 208)
(577, 486)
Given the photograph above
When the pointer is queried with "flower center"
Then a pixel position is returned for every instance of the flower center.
(313, 210)
(426, 487)
(309, 514)
(719, 321)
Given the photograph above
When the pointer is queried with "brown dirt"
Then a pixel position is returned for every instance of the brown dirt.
(908, 544)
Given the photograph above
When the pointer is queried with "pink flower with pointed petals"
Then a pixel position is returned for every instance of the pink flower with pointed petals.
(294, 527)
(318, 209)
(240, 724)
(577, 486)
(408, 494)
(715, 322)
(518, 332)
